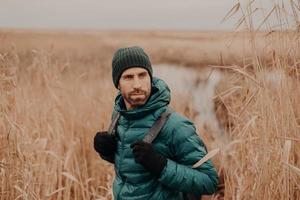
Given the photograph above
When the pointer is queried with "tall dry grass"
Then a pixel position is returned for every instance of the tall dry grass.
(46, 140)
(261, 158)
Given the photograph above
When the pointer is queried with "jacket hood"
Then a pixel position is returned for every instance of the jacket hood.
(160, 97)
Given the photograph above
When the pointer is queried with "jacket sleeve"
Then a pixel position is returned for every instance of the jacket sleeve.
(188, 148)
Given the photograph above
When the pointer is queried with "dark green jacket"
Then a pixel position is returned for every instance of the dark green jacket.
(177, 141)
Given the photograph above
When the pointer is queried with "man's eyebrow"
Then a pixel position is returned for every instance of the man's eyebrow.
(142, 73)
(126, 75)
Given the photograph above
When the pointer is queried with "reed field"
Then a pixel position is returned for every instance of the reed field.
(57, 92)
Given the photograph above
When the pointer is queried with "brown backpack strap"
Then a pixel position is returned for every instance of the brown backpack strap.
(157, 126)
(113, 124)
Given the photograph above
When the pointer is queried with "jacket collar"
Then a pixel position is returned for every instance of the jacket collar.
(160, 97)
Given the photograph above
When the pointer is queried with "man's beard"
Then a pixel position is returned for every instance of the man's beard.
(137, 98)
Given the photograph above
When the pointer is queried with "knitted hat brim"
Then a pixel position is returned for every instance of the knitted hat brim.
(116, 81)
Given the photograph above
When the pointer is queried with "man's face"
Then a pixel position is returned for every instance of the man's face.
(135, 87)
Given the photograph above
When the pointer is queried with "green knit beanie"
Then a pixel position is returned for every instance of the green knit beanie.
(128, 57)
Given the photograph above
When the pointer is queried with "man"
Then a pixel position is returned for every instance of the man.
(162, 169)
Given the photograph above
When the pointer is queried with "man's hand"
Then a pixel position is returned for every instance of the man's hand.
(146, 156)
(106, 145)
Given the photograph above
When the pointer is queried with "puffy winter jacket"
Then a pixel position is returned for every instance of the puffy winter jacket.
(177, 141)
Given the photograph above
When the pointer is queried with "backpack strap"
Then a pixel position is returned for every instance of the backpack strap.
(113, 124)
(154, 130)
(157, 126)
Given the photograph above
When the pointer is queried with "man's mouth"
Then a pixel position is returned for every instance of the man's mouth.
(137, 93)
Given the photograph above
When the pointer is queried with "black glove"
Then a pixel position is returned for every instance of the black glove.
(145, 155)
(106, 145)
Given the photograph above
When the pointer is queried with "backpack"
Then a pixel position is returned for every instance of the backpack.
(150, 136)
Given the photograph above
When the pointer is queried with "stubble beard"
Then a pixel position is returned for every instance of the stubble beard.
(137, 98)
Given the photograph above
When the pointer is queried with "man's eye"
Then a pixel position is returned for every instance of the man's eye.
(143, 75)
(127, 77)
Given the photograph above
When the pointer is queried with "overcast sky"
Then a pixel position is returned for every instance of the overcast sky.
(117, 14)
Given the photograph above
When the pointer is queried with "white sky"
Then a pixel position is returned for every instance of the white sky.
(118, 14)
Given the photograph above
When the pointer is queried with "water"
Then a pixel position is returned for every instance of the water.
(197, 89)
(198, 86)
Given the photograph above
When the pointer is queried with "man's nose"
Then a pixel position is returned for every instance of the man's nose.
(137, 83)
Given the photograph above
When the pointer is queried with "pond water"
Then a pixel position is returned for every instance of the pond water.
(197, 87)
